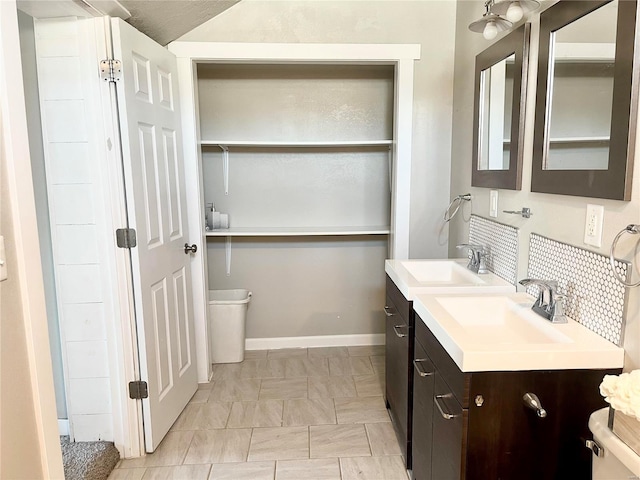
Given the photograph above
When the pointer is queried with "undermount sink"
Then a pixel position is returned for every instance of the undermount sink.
(445, 271)
(500, 320)
(413, 277)
(489, 332)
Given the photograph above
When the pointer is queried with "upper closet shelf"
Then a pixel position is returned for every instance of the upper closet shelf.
(594, 139)
(309, 144)
(225, 145)
(298, 231)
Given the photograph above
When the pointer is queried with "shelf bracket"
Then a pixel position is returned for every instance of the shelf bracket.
(227, 255)
(390, 161)
(225, 167)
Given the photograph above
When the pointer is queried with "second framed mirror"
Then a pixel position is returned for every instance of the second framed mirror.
(586, 106)
(498, 125)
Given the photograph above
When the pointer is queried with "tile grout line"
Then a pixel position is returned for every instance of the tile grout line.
(282, 414)
(186, 450)
(249, 447)
(366, 432)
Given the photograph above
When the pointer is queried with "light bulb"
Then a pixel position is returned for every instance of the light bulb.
(490, 31)
(514, 12)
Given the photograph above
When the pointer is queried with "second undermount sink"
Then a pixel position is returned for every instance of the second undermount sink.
(500, 332)
(413, 277)
(441, 271)
(500, 320)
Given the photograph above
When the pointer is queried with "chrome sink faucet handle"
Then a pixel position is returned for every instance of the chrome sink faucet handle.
(558, 309)
(549, 304)
(477, 260)
(545, 288)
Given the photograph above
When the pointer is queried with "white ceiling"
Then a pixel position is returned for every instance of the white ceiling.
(167, 20)
(162, 20)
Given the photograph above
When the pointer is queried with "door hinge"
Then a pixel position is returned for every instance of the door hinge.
(110, 70)
(138, 390)
(126, 238)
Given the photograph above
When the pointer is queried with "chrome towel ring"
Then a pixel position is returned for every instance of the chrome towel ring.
(455, 206)
(632, 230)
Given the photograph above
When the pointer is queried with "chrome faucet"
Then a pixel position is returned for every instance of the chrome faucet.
(550, 303)
(477, 260)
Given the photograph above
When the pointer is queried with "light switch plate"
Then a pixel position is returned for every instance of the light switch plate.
(3, 261)
(493, 203)
(593, 225)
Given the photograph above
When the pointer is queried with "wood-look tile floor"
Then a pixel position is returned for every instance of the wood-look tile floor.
(291, 414)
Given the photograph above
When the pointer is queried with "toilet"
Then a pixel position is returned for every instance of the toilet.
(616, 461)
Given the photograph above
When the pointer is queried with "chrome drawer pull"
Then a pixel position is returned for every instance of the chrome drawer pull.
(446, 416)
(399, 334)
(387, 311)
(532, 401)
(422, 373)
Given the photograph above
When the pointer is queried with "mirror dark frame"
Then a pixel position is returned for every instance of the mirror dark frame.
(615, 182)
(515, 43)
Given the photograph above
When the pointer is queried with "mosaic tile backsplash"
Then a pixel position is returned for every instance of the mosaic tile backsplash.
(502, 241)
(594, 297)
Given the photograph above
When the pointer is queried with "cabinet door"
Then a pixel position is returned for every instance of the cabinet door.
(396, 372)
(422, 433)
(448, 435)
(507, 440)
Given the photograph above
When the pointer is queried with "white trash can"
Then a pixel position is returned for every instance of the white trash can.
(227, 318)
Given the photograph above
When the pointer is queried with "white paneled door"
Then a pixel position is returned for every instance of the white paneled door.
(154, 180)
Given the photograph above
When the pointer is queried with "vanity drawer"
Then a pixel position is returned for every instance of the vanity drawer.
(449, 420)
(402, 305)
(422, 431)
(399, 344)
(457, 381)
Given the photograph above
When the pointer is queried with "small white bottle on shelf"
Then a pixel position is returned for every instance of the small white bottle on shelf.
(209, 217)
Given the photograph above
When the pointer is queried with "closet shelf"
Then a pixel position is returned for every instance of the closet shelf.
(304, 144)
(603, 139)
(298, 231)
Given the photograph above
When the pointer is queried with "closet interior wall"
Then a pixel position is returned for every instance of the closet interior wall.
(309, 149)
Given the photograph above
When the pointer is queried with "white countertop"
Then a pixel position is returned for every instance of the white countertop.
(499, 332)
(454, 278)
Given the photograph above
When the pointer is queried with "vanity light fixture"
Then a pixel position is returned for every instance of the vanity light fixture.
(493, 20)
(490, 23)
(514, 10)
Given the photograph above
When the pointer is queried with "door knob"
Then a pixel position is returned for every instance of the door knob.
(190, 248)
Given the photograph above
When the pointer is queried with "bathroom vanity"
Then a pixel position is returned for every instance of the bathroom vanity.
(474, 425)
(406, 278)
(462, 360)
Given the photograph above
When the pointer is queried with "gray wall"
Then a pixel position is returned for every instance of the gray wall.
(428, 23)
(555, 216)
(32, 104)
(302, 286)
(341, 301)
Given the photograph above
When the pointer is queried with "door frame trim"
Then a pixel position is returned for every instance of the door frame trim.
(28, 269)
(127, 413)
(401, 56)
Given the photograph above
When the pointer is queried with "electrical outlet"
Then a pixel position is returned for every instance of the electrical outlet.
(593, 225)
(493, 203)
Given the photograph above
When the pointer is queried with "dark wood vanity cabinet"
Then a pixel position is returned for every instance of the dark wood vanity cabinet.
(422, 431)
(399, 333)
(475, 425)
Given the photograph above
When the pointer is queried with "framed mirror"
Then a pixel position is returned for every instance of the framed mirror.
(586, 104)
(498, 125)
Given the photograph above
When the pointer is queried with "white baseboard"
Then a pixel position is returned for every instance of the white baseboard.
(315, 341)
(63, 426)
